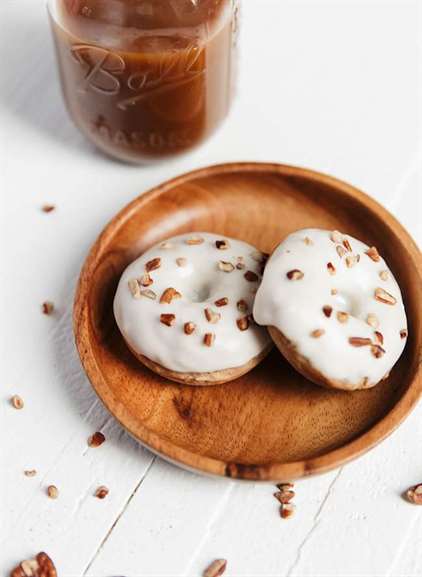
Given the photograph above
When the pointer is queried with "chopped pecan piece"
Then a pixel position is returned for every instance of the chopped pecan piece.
(194, 240)
(211, 316)
(243, 323)
(295, 274)
(209, 339)
(414, 494)
(222, 244)
(384, 297)
(360, 341)
(222, 302)
(225, 266)
(216, 568)
(96, 439)
(41, 566)
(189, 328)
(342, 317)
(251, 276)
(372, 320)
(169, 295)
(168, 319)
(153, 264)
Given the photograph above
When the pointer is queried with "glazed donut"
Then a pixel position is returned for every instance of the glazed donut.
(184, 308)
(333, 308)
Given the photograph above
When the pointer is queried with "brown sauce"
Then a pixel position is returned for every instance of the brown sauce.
(141, 79)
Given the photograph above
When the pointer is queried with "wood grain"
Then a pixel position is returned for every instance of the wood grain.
(270, 424)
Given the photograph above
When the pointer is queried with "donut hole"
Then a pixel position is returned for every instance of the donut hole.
(347, 303)
(199, 293)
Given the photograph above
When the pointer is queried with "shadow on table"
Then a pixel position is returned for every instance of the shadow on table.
(78, 393)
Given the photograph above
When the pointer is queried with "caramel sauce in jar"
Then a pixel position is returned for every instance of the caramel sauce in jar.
(146, 79)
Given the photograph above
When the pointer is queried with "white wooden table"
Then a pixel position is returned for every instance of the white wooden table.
(332, 85)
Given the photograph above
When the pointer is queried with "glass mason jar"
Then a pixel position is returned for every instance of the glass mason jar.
(146, 79)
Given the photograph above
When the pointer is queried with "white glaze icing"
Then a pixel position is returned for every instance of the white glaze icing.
(200, 283)
(295, 307)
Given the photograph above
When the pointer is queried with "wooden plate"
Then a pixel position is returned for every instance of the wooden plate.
(271, 424)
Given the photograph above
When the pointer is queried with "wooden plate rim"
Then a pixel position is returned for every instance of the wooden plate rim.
(208, 465)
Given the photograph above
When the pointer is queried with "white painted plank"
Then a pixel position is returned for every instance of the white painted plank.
(251, 535)
(164, 524)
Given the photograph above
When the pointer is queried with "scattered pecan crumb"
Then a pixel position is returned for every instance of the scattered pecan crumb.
(225, 266)
(360, 341)
(243, 323)
(211, 316)
(284, 496)
(403, 333)
(331, 268)
(47, 308)
(48, 207)
(384, 297)
(181, 261)
(40, 566)
(222, 244)
(336, 236)
(101, 492)
(317, 333)
(334, 291)
(146, 280)
(342, 317)
(287, 510)
(169, 295)
(308, 241)
(340, 251)
(30, 473)
(52, 492)
(209, 339)
(222, 302)
(17, 402)
(194, 240)
(189, 328)
(153, 264)
(242, 306)
(285, 486)
(168, 319)
(379, 337)
(414, 494)
(327, 310)
(372, 320)
(251, 276)
(384, 275)
(96, 439)
(295, 274)
(216, 568)
(373, 254)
